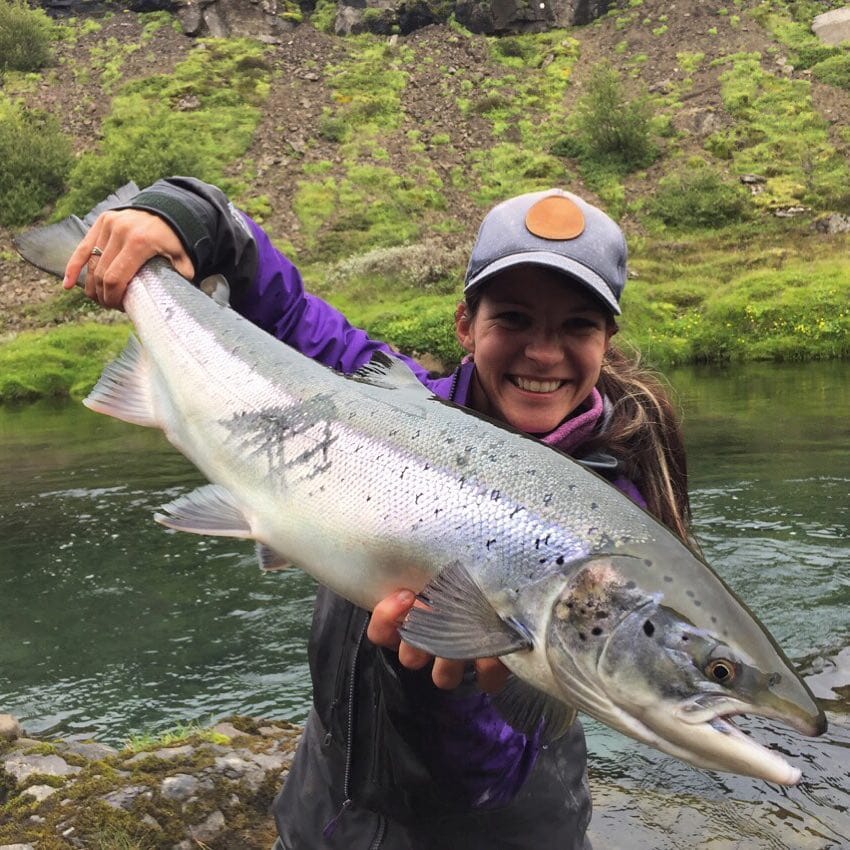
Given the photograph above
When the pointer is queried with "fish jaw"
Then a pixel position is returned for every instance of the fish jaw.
(629, 660)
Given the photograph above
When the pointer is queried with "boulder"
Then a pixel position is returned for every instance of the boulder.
(225, 18)
(10, 728)
(491, 17)
(833, 27)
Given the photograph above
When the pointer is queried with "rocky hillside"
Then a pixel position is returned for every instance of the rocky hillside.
(344, 146)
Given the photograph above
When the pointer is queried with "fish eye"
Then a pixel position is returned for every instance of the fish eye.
(722, 670)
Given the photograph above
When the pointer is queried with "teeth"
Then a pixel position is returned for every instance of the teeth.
(537, 386)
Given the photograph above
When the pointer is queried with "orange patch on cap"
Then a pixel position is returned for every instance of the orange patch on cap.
(555, 217)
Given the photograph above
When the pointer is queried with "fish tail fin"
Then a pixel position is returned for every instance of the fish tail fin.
(124, 388)
(49, 248)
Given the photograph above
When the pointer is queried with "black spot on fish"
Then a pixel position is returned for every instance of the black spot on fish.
(495, 495)
(403, 471)
(714, 620)
(418, 497)
(648, 628)
(515, 511)
(547, 498)
(542, 561)
(685, 638)
(689, 594)
(601, 615)
(631, 585)
(596, 631)
(647, 563)
(582, 636)
(560, 560)
(490, 542)
(697, 603)
(594, 506)
(668, 579)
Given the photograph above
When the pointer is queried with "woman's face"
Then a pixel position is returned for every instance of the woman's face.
(538, 340)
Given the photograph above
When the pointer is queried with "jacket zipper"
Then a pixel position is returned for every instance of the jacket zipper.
(330, 827)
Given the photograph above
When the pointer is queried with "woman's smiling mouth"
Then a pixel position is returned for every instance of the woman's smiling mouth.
(534, 386)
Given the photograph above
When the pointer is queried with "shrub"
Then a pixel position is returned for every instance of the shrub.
(698, 196)
(834, 71)
(35, 158)
(25, 36)
(609, 125)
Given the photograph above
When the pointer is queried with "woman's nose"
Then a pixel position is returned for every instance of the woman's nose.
(544, 348)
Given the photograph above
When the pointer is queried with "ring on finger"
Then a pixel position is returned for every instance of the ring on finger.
(96, 252)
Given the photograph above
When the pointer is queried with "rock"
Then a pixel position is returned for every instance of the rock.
(123, 798)
(226, 18)
(89, 750)
(229, 730)
(833, 223)
(16, 847)
(167, 753)
(21, 766)
(833, 27)
(210, 829)
(180, 787)
(750, 179)
(40, 792)
(10, 728)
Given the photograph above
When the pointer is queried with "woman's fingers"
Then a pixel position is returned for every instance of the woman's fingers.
(117, 246)
(387, 616)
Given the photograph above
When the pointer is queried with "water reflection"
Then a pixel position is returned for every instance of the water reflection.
(110, 626)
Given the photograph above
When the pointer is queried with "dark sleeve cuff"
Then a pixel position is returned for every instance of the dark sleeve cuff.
(190, 216)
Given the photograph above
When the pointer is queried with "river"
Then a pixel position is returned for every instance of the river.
(111, 626)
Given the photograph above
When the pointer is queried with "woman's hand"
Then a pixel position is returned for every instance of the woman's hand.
(389, 614)
(127, 239)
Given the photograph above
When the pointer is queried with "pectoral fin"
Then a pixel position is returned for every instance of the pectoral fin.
(208, 510)
(460, 622)
(124, 388)
(528, 709)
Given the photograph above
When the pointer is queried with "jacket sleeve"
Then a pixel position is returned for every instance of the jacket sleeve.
(266, 287)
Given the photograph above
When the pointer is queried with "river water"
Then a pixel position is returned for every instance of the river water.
(111, 626)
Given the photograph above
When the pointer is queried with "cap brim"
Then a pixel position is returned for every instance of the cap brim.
(578, 272)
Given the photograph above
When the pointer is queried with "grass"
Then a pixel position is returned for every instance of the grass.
(195, 120)
(779, 135)
(62, 361)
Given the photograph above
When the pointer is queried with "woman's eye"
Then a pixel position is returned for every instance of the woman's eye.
(582, 323)
(512, 318)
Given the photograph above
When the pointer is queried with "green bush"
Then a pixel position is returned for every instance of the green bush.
(697, 196)
(35, 159)
(834, 71)
(25, 36)
(608, 125)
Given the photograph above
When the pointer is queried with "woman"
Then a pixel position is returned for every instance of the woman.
(400, 750)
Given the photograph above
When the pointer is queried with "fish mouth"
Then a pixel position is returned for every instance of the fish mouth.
(714, 743)
(539, 386)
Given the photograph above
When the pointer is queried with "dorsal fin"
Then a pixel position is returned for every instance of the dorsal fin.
(388, 372)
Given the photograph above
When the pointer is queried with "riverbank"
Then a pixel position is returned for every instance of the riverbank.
(204, 787)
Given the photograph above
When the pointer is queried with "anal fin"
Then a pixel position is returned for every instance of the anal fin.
(460, 622)
(124, 388)
(271, 561)
(208, 510)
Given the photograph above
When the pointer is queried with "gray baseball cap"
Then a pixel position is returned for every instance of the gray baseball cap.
(555, 229)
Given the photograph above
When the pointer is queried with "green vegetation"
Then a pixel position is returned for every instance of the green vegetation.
(25, 37)
(381, 190)
(778, 134)
(63, 361)
(195, 120)
(696, 196)
(35, 159)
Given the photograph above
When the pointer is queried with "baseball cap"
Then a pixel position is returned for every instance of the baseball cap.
(555, 229)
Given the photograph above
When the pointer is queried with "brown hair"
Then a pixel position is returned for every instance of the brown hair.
(645, 435)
